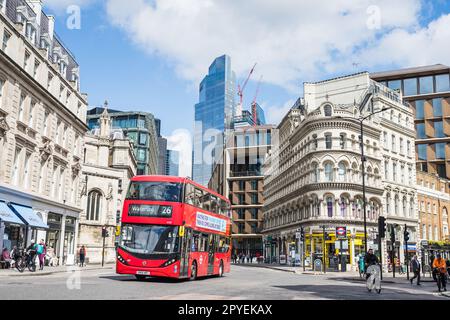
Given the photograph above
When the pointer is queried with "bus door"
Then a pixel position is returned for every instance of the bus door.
(211, 252)
(185, 236)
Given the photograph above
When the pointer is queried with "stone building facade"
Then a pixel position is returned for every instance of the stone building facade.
(313, 174)
(42, 123)
(109, 164)
(433, 204)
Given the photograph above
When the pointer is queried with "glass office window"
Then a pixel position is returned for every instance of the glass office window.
(442, 172)
(420, 129)
(395, 84)
(420, 107)
(422, 151)
(410, 87)
(437, 107)
(442, 83)
(440, 150)
(426, 85)
(141, 123)
(141, 154)
(438, 129)
(142, 138)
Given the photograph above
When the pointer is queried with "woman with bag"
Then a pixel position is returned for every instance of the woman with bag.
(41, 251)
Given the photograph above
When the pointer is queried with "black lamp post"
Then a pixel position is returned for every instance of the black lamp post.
(363, 159)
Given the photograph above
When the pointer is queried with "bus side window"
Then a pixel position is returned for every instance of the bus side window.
(223, 207)
(189, 194)
(204, 243)
(198, 198)
(207, 202)
(195, 242)
(214, 204)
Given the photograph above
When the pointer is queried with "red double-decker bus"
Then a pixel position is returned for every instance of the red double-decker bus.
(173, 227)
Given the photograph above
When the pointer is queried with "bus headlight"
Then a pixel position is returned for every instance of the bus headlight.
(168, 263)
(121, 259)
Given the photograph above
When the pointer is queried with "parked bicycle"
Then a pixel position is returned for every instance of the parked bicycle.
(25, 259)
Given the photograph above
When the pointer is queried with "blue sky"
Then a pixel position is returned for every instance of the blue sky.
(150, 55)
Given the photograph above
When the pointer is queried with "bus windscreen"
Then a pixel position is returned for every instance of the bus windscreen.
(155, 191)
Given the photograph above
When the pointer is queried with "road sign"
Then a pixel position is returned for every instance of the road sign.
(337, 244)
(341, 232)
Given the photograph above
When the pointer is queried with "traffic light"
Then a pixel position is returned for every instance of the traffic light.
(302, 234)
(392, 235)
(382, 227)
(105, 232)
(406, 235)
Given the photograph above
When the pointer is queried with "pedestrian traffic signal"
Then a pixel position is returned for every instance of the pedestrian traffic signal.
(105, 232)
(382, 226)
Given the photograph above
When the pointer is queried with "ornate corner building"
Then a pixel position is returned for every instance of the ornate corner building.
(313, 175)
(42, 124)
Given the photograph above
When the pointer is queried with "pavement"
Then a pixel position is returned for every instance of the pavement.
(242, 283)
(12, 272)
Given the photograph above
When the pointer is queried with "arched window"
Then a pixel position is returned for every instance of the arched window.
(411, 207)
(405, 212)
(315, 173)
(343, 205)
(342, 172)
(388, 204)
(328, 172)
(327, 110)
(93, 205)
(396, 205)
(330, 206)
(314, 141)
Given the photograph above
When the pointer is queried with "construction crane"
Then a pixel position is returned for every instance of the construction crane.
(254, 111)
(241, 89)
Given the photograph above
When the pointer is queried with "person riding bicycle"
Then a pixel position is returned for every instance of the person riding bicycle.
(441, 270)
(369, 260)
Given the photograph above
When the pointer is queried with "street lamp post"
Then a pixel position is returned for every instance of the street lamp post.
(363, 159)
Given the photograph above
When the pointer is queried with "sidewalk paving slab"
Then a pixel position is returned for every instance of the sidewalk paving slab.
(53, 270)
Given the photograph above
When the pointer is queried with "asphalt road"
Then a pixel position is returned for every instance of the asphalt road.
(241, 283)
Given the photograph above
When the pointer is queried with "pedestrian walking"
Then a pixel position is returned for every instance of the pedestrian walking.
(41, 251)
(369, 260)
(441, 272)
(415, 267)
(82, 254)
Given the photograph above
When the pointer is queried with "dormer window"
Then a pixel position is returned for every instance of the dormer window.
(3, 6)
(62, 67)
(327, 110)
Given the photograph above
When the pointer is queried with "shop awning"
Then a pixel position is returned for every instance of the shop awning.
(7, 215)
(29, 216)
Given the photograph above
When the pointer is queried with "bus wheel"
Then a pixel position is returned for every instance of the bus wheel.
(221, 269)
(193, 271)
(140, 277)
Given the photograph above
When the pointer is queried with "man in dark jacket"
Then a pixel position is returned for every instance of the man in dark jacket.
(369, 260)
(415, 267)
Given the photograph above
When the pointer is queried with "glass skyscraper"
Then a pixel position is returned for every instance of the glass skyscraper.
(215, 110)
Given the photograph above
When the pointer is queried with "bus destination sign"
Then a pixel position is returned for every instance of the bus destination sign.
(146, 210)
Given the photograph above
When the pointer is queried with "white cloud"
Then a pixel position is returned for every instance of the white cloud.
(422, 46)
(181, 141)
(289, 39)
(274, 114)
